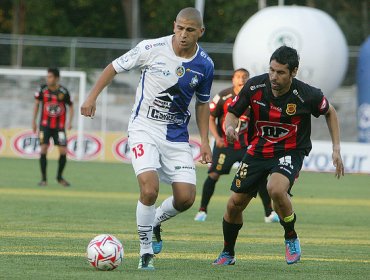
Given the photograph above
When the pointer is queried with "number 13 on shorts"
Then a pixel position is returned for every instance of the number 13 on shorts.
(138, 150)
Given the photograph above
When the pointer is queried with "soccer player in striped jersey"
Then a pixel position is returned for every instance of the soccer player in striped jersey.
(54, 99)
(281, 109)
(226, 154)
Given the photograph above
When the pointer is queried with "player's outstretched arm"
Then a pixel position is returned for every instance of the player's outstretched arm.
(70, 119)
(89, 106)
(231, 123)
(34, 116)
(202, 117)
(213, 128)
(333, 125)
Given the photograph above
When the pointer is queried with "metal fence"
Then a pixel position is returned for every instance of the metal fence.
(91, 53)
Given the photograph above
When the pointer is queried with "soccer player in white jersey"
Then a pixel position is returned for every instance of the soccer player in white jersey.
(173, 69)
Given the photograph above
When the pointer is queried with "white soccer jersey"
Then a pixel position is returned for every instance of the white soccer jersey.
(166, 87)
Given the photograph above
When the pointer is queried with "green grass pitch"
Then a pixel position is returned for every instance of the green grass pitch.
(44, 231)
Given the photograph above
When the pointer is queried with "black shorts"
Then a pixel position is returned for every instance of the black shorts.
(58, 135)
(223, 159)
(253, 171)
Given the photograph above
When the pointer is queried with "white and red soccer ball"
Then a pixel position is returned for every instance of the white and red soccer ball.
(105, 252)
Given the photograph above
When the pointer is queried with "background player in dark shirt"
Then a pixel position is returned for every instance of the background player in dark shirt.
(225, 154)
(54, 99)
(281, 108)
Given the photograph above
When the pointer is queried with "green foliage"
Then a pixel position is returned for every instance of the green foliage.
(82, 18)
(223, 19)
(157, 16)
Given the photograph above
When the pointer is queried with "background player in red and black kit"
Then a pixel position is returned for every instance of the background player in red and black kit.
(281, 108)
(226, 154)
(54, 99)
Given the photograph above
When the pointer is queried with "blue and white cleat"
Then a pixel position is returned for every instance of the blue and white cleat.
(157, 242)
(273, 218)
(201, 216)
(146, 262)
(292, 250)
(224, 259)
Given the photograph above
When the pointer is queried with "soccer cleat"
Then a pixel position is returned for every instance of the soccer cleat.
(292, 250)
(63, 182)
(201, 216)
(42, 183)
(157, 242)
(146, 262)
(273, 218)
(224, 259)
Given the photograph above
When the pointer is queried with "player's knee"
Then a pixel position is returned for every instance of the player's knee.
(275, 190)
(44, 149)
(235, 205)
(63, 151)
(184, 203)
(148, 197)
(148, 192)
(214, 176)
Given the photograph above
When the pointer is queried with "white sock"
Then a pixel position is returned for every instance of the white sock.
(165, 212)
(144, 220)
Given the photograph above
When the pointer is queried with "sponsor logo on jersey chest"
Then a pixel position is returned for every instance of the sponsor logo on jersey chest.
(166, 117)
(194, 81)
(53, 109)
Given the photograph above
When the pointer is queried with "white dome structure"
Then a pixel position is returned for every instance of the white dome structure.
(316, 36)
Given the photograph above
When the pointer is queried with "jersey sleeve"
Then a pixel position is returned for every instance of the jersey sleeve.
(241, 102)
(203, 92)
(320, 104)
(215, 106)
(39, 94)
(68, 99)
(134, 58)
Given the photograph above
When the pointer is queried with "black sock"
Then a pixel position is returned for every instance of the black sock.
(43, 164)
(230, 234)
(62, 164)
(290, 232)
(208, 190)
(266, 200)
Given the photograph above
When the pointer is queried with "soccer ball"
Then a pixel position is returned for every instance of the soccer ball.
(105, 252)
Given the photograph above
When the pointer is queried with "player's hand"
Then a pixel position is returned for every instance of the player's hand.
(206, 154)
(34, 127)
(231, 134)
(220, 142)
(338, 163)
(88, 108)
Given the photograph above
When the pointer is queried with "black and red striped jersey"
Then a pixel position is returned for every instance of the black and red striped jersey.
(218, 109)
(53, 106)
(279, 124)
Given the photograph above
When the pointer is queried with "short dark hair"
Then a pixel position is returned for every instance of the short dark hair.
(54, 71)
(286, 55)
(241, 70)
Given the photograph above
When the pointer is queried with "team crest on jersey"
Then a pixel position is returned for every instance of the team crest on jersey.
(291, 109)
(180, 71)
(60, 96)
(194, 81)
